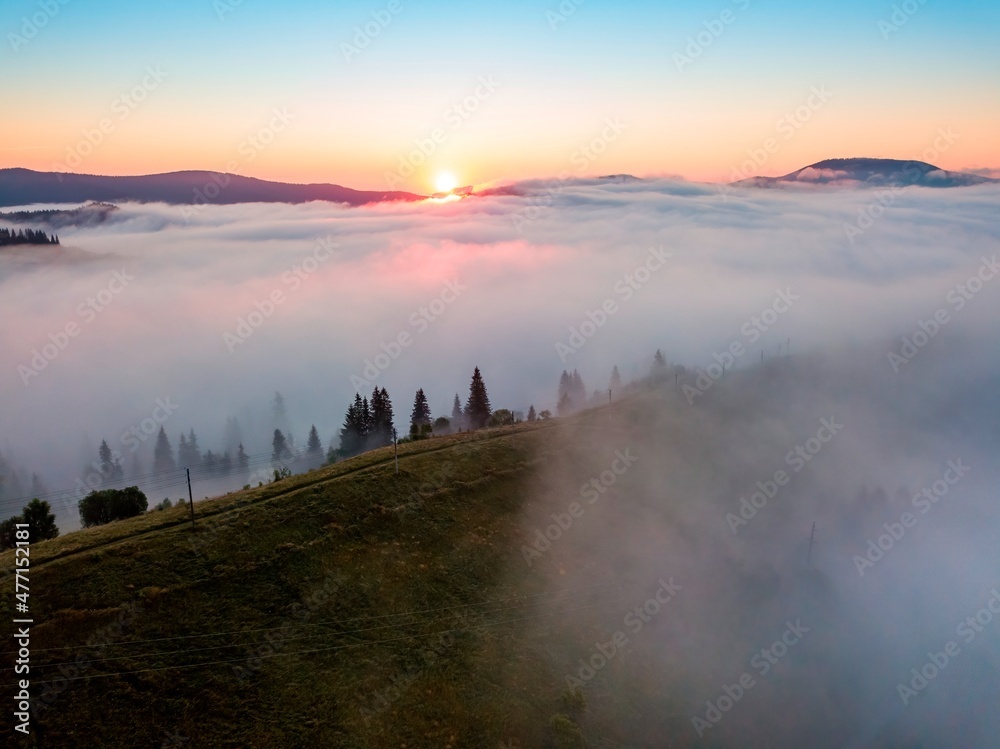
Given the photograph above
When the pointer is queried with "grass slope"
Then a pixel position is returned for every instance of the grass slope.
(304, 586)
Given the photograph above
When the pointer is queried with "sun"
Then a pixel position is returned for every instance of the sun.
(445, 182)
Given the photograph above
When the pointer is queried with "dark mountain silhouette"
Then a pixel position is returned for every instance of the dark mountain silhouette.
(24, 187)
(870, 172)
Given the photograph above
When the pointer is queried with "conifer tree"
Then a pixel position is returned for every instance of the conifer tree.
(194, 457)
(577, 391)
(531, 413)
(313, 445)
(380, 432)
(421, 413)
(477, 408)
(565, 385)
(354, 432)
(111, 467)
(457, 419)
(210, 462)
(242, 461)
(163, 454)
(279, 447)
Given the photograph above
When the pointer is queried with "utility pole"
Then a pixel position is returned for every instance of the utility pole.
(812, 542)
(395, 449)
(190, 497)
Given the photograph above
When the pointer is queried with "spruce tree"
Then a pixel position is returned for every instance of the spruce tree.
(210, 463)
(279, 445)
(380, 432)
(456, 414)
(313, 445)
(163, 454)
(577, 391)
(565, 386)
(111, 467)
(279, 413)
(234, 435)
(104, 453)
(353, 433)
(194, 453)
(421, 413)
(242, 461)
(531, 413)
(477, 408)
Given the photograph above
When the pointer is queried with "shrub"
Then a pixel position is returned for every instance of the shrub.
(101, 507)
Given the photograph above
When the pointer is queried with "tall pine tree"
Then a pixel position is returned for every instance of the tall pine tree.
(354, 433)
(242, 461)
(380, 432)
(279, 448)
(163, 454)
(313, 445)
(477, 408)
(421, 413)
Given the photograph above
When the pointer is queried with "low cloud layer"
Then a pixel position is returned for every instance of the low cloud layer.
(218, 307)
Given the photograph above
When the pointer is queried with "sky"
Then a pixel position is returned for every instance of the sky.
(500, 92)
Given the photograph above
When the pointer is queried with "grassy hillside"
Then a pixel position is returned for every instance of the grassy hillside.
(353, 607)
(346, 607)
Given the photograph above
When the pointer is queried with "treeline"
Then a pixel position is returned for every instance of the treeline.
(26, 236)
(368, 423)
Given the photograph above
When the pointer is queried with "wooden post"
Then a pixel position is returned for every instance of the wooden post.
(190, 497)
(395, 449)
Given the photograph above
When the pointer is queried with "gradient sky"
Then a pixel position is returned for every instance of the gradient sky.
(355, 121)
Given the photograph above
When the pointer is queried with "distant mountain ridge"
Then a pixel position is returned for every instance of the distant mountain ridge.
(872, 173)
(25, 187)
